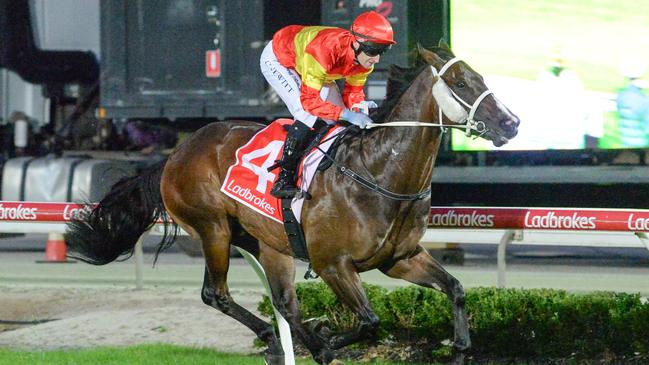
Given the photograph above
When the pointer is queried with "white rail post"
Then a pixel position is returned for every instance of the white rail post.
(502, 256)
(284, 328)
(138, 256)
(643, 238)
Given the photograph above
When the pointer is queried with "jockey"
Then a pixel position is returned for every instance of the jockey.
(301, 63)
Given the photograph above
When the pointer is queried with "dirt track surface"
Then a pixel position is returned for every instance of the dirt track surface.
(88, 317)
(97, 306)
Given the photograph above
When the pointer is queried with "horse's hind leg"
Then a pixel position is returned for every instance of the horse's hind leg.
(215, 293)
(422, 269)
(345, 282)
(280, 271)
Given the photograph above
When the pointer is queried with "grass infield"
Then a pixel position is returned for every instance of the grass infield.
(139, 355)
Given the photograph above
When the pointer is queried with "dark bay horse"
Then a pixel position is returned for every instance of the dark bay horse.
(349, 228)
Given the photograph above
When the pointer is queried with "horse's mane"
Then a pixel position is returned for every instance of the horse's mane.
(399, 79)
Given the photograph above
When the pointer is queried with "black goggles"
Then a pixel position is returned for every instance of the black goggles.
(374, 49)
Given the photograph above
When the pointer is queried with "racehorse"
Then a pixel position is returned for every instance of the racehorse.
(346, 234)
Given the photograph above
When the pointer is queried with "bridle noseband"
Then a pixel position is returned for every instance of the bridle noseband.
(468, 123)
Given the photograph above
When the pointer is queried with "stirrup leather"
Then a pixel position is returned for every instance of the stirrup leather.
(285, 185)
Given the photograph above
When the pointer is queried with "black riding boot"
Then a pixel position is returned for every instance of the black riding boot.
(296, 140)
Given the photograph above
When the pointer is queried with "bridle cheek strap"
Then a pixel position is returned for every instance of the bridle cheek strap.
(450, 109)
(471, 123)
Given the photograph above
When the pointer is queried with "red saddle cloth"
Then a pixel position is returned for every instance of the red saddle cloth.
(248, 181)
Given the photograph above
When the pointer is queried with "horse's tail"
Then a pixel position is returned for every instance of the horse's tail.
(113, 226)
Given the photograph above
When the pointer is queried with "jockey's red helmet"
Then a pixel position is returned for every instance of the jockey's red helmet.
(372, 27)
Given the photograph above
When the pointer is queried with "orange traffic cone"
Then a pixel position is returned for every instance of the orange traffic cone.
(55, 249)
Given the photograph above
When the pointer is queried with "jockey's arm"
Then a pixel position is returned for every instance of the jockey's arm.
(313, 103)
(314, 77)
(353, 92)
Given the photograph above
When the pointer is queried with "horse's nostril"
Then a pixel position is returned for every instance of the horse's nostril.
(510, 124)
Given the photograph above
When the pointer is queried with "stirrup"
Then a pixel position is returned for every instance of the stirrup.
(288, 192)
(284, 187)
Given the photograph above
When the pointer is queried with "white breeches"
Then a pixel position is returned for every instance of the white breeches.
(286, 83)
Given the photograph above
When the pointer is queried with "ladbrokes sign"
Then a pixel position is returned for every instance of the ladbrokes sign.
(552, 220)
(540, 218)
(17, 212)
(73, 211)
(469, 219)
(40, 212)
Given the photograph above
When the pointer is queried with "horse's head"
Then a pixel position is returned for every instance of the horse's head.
(464, 99)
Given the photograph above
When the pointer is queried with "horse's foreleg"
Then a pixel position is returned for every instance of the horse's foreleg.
(280, 271)
(344, 280)
(422, 269)
(215, 293)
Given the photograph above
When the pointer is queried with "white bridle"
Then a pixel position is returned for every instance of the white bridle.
(447, 100)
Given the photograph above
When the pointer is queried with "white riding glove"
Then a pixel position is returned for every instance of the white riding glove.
(364, 106)
(369, 104)
(356, 118)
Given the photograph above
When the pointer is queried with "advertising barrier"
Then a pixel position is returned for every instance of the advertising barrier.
(537, 226)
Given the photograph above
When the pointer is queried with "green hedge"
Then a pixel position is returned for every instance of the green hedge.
(503, 322)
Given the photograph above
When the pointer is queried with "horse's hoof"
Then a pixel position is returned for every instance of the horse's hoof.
(325, 357)
(459, 359)
(336, 342)
(271, 359)
(318, 327)
(462, 346)
(336, 362)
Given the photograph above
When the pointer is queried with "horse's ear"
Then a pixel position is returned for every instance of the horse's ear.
(442, 44)
(428, 56)
(420, 48)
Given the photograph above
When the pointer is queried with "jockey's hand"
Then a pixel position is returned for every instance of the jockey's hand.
(359, 119)
(364, 106)
(369, 103)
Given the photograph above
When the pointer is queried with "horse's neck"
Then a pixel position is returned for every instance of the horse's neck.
(404, 156)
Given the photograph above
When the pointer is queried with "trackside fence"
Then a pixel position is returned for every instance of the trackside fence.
(474, 225)
(537, 226)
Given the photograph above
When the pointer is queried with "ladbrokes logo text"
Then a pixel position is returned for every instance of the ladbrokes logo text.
(552, 220)
(453, 219)
(75, 212)
(19, 213)
(245, 194)
(637, 224)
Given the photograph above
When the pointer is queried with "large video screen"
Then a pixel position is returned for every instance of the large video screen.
(574, 71)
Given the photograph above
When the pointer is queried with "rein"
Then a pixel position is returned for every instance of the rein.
(466, 122)
(367, 183)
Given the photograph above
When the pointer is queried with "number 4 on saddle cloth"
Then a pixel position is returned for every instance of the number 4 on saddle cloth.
(248, 181)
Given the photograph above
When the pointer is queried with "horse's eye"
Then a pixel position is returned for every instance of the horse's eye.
(460, 84)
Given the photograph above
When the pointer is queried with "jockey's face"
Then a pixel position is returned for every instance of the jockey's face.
(364, 59)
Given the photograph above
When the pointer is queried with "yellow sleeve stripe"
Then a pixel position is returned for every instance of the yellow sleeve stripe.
(313, 74)
(359, 79)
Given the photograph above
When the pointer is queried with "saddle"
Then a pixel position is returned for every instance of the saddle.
(248, 180)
